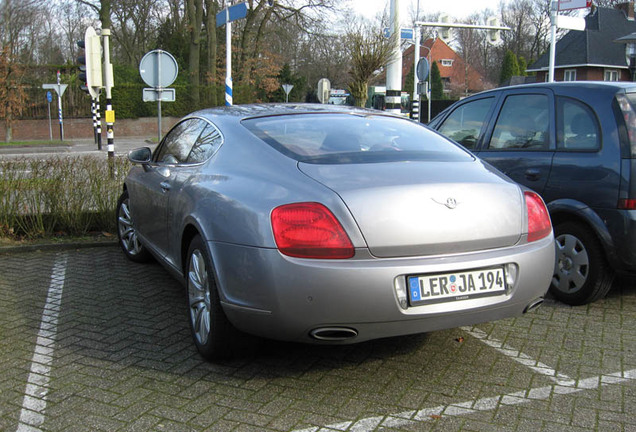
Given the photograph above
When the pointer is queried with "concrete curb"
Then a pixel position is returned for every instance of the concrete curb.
(56, 246)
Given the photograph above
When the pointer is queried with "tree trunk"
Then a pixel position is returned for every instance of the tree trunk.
(211, 7)
(358, 90)
(195, 17)
(8, 134)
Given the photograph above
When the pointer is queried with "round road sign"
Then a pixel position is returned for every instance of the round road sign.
(422, 69)
(158, 68)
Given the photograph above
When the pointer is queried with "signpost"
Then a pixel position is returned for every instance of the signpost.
(561, 21)
(565, 5)
(287, 88)
(49, 99)
(226, 16)
(405, 33)
(158, 69)
(59, 89)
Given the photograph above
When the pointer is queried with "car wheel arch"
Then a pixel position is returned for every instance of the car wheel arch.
(567, 210)
(189, 232)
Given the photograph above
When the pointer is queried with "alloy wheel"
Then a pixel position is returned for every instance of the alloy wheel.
(127, 233)
(199, 297)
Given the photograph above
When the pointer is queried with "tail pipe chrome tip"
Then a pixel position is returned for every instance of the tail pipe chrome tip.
(333, 333)
(533, 305)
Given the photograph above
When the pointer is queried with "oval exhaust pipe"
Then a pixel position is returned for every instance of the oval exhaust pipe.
(333, 333)
(535, 304)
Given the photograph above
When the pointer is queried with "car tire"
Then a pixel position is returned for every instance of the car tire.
(581, 272)
(211, 330)
(127, 234)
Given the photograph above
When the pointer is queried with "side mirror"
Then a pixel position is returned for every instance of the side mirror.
(141, 155)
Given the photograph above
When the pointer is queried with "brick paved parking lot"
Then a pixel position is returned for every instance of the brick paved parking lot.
(92, 342)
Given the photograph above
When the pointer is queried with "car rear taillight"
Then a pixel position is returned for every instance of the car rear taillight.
(627, 204)
(629, 115)
(310, 230)
(539, 224)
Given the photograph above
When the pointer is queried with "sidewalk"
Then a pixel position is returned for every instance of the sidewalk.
(79, 146)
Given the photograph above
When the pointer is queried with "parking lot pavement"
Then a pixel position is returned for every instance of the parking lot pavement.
(92, 342)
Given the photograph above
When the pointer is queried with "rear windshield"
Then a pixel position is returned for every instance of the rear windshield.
(353, 138)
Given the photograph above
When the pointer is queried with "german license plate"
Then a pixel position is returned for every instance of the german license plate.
(436, 288)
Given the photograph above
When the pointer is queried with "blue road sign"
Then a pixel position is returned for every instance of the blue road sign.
(405, 33)
(235, 12)
(49, 97)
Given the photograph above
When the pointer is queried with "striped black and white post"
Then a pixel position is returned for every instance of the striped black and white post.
(415, 112)
(110, 113)
(394, 67)
(98, 118)
(94, 113)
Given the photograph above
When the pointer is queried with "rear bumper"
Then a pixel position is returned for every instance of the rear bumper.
(275, 296)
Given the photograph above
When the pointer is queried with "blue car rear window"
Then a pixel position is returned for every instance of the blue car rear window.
(353, 138)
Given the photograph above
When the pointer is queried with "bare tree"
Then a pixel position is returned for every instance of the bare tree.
(134, 27)
(369, 50)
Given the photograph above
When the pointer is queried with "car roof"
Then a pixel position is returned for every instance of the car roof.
(615, 86)
(241, 112)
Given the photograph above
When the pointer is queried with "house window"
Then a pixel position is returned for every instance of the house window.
(447, 62)
(611, 75)
(569, 75)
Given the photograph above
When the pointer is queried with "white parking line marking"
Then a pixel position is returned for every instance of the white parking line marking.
(520, 357)
(37, 388)
(412, 418)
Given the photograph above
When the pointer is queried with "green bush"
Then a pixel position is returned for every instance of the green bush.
(63, 195)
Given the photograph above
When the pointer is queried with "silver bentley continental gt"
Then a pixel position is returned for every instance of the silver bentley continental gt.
(323, 224)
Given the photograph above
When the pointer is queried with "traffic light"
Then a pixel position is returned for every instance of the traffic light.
(81, 62)
(445, 33)
(493, 34)
(90, 62)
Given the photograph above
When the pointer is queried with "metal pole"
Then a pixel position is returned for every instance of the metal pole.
(94, 112)
(99, 124)
(553, 17)
(416, 60)
(394, 68)
(50, 126)
(228, 59)
(159, 93)
(428, 82)
(59, 107)
(110, 113)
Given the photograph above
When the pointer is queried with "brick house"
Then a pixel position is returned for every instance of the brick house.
(592, 54)
(460, 78)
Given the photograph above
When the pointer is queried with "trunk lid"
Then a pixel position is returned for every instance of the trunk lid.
(427, 208)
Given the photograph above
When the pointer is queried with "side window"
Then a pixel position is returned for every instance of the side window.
(465, 123)
(206, 145)
(523, 123)
(577, 126)
(176, 146)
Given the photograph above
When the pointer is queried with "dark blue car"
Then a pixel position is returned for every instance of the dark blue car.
(575, 144)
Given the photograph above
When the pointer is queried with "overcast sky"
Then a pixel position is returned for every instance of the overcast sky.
(454, 8)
